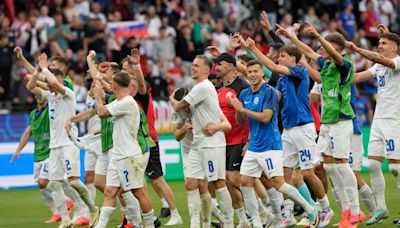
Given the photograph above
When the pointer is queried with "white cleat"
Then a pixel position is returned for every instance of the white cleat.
(277, 223)
(326, 215)
(174, 220)
(267, 218)
(94, 217)
(304, 222)
(289, 220)
(245, 225)
(65, 224)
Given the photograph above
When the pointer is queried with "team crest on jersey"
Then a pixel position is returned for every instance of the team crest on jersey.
(256, 100)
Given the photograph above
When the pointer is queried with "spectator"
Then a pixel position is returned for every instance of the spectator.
(96, 12)
(386, 11)
(164, 46)
(78, 33)
(312, 18)
(35, 43)
(153, 22)
(347, 22)
(56, 7)
(169, 29)
(19, 26)
(60, 33)
(70, 11)
(44, 21)
(184, 46)
(202, 32)
(95, 38)
(235, 8)
(219, 38)
(6, 53)
(83, 8)
(214, 9)
(370, 22)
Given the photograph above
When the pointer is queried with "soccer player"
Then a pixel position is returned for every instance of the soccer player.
(64, 156)
(299, 134)
(124, 171)
(385, 130)
(336, 129)
(264, 154)
(237, 137)
(131, 64)
(206, 160)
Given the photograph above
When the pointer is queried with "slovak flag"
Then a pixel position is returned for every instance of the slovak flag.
(126, 29)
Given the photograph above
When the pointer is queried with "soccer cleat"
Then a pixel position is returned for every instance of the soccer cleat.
(345, 219)
(326, 215)
(94, 217)
(165, 212)
(174, 220)
(356, 219)
(82, 221)
(378, 215)
(65, 224)
(288, 219)
(304, 222)
(314, 218)
(267, 218)
(277, 223)
(53, 219)
(216, 224)
(157, 222)
(124, 222)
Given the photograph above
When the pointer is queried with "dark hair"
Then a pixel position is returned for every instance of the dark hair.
(122, 79)
(277, 46)
(245, 57)
(337, 39)
(61, 60)
(208, 62)
(57, 73)
(291, 50)
(254, 62)
(180, 93)
(392, 37)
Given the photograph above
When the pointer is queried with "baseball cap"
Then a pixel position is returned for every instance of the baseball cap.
(225, 57)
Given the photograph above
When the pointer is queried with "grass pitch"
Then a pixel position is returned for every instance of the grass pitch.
(24, 208)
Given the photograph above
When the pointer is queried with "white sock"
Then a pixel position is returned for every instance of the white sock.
(214, 201)
(337, 198)
(338, 184)
(164, 203)
(83, 193)
(92, 191)
(80, 208)
(292, 193)
(241, 214)
(148, 219)
(262, 209)
(377, 183)
(59, 199)
(48, 200)
(134, 215)
(367, 198)
(194, 206)
(105, 215)
(174, 211)
(251, 204)
(288, 206)
(215, 211)
(225, 205)
(324, 202)
(350, 182)
(276, 202)
(206, 209)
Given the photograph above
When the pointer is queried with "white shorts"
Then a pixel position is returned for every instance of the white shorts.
(102, 163)
(206, 164)
(299, 147)
(384, 139)
(64, 160)
(91, 156)
(185, 153)
(334, 139)
(356, 152)
(270, 162)
(127, 173)
(41, 170)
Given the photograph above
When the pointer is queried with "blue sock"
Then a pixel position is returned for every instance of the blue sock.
(303, 189)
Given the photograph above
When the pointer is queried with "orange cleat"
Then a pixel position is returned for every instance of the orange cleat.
(82, 221)
(70, 205)
(53, 219)
(345, 219)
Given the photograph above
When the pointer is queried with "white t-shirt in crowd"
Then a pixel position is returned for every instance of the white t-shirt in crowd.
(61, 108)
(126, 117)
(204, 107)
(388, 102)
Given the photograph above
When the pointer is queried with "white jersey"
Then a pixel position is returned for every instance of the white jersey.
(61, 108)
(126, 118)
(388, 102)
(94, 122)
(181, 118)
(204, 107)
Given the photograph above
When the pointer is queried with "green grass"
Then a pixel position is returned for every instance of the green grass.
(24, 208)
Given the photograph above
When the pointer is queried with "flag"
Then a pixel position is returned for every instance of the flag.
(125, 29)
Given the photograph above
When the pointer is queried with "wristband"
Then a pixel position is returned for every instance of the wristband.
(137, 67)
(99, 76)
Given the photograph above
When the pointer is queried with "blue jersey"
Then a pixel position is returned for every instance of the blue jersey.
(294, 89)
(362, 111)
(263, 137)
(348, 22)
(353, 100)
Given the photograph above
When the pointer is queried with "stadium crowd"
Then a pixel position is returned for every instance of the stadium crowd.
(177, 32)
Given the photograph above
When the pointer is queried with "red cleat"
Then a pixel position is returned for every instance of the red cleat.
(345, 219)
(53, 219)
(70, 205)
(82, 221)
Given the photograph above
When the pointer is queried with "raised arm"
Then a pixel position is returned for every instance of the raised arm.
(249, 44)
(27, 65)
(265, 23)
(336, 56)
(32, 84)
(51, 79)
(371, 55)
(134, 60)
(304, 48)
(101, 109)
(22, 143)
(312, 72)
(94, 73)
